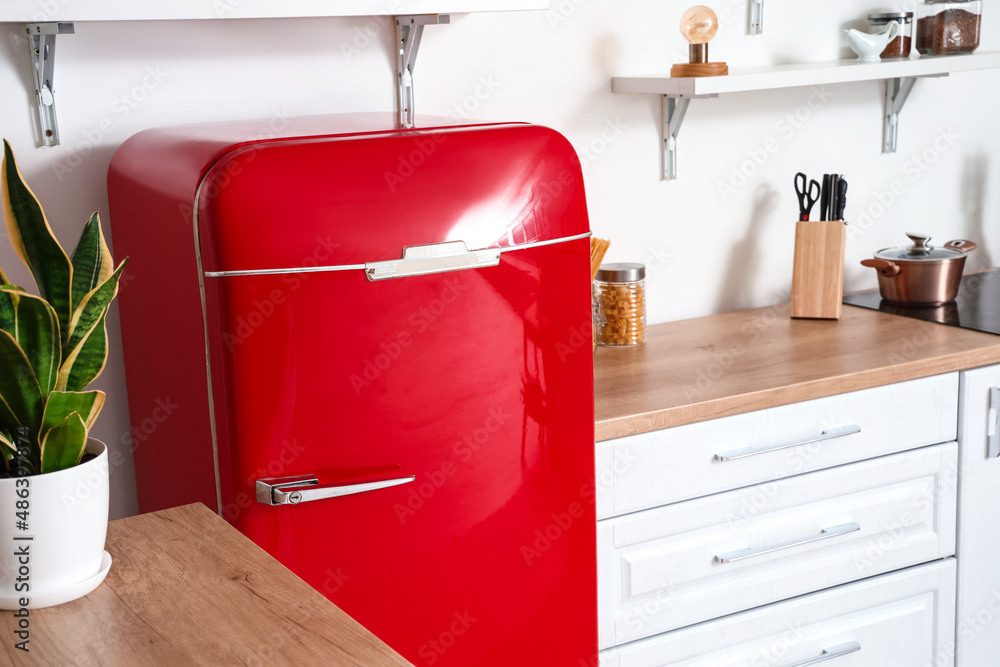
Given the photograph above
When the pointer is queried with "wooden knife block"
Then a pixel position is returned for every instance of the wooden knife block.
(818, 273)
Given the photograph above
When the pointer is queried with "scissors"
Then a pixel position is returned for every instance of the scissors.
(806, 197)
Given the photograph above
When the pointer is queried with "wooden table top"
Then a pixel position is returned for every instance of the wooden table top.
(186, 588)
(728, 364)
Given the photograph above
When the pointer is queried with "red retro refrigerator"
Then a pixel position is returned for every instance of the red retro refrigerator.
(369, 349)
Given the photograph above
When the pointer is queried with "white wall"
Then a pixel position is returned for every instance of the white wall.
(707, 251)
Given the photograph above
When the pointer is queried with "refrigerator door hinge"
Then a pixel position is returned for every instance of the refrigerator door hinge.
(303, 488)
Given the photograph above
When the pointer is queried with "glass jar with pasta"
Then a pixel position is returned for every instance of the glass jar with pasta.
(620, 291)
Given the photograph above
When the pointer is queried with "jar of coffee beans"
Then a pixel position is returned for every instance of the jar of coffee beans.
(900, 46)
(620, 291)
(946, 27)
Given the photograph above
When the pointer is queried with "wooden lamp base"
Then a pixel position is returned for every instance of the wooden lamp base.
(699, 69)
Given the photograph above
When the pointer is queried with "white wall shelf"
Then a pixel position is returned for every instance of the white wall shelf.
(45, 19)
(898, 77)
(38, 11)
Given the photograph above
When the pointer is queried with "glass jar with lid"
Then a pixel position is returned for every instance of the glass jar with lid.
(900, 46)
(620, 293)
(946, 27)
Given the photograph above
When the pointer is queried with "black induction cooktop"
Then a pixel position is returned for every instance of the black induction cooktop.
(977, 306)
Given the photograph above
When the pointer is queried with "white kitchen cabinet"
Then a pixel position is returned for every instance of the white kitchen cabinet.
(694, 561)
(653, 469)
(978, 630)
(901, 619)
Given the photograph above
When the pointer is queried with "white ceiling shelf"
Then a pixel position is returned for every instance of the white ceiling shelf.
(898, 77)
(38, 11)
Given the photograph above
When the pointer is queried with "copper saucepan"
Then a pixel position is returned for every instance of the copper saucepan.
(921, 274)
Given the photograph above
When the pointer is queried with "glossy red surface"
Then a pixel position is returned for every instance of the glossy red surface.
(477, 382)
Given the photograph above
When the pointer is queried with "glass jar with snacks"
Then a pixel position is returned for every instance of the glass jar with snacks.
(620, 292)
(946, 27)
(900, 46)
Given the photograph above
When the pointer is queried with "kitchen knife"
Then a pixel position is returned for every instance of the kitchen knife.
(841, 199)
(824, 203)
(831, 213)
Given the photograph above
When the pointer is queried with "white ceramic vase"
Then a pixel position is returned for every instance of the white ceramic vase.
(67, 522)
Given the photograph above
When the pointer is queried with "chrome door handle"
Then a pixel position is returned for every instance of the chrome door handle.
(831, 653)
(303, 488)
(434, 258)
(747, 452)
(825, 534)
(993, 425)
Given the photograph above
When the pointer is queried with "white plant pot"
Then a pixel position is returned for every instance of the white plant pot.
(67, 523)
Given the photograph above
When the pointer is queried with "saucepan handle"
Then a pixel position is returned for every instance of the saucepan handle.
(961, 244)
(885, 267)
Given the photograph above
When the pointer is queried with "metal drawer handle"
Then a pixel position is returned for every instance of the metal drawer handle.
(993, 425)
(302, 489)
(825, 534)
(831, 653)
(434, 258)
(747, 452)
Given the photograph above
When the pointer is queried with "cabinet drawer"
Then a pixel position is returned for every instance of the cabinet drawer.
(662, 467)
(689, 562)
(905, 618)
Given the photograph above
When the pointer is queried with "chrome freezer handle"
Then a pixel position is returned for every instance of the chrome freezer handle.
(302, 489)
(831, 653)
(423, 260)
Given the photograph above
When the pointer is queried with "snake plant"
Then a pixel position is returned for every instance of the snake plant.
(51, 346)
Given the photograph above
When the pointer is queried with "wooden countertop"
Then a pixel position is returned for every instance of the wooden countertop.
(732, 363)
(186, 588)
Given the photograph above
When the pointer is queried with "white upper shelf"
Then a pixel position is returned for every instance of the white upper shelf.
(46, 11)
(804, 74)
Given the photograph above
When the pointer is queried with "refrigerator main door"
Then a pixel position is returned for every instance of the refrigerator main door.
(335, 363)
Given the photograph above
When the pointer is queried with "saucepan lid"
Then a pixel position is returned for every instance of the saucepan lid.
(923, 251)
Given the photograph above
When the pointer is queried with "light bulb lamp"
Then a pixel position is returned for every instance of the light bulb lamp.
(699, 25)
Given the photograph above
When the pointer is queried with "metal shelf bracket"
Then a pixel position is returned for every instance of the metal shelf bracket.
(409, 31)
(42, 45)
(756, 26)
(675, 108)
(896, 93)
